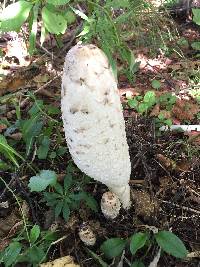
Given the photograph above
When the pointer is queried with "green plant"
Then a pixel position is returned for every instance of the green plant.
(166, 240)
(143, 104)
(31, 247)
(161, 120)
(64, 198)
(54, 20)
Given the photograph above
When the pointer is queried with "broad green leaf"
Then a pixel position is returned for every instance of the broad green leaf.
(34, 255)
(14, 15)
(137, 263)
(156, 84)
(53, 21)
(43, 148)
(70, 17)
(41, 181)
(34, 233)
(11, 253)
(196, 45)
(150, 98)
(113, 247)
(133, 103)
(66, 210)
(196, 15)
(171, 244)
(143, 107)
(33, 33)
(138, 240)
(58, 2)
(58, 208)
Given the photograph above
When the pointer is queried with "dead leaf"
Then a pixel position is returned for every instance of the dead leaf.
(2, 127)
(155, 111)
(185, 109)
(66, 261)
(167, 162)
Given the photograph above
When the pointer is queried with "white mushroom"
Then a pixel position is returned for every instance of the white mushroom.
(87, 235)
(93, 119)
(110, 205)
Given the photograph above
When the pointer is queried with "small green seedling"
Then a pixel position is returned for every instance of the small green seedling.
(64, 198)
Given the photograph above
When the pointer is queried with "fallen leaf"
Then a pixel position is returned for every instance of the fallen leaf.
(167, 162)
(66, 261)
(185, 109)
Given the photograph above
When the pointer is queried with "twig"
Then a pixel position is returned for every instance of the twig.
(181, 207)
(24, 102)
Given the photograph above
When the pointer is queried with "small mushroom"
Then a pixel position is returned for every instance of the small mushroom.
(87, 235)
(110, 205)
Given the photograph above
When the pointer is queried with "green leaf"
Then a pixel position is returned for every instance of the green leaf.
(196, 45)
(97, 258)
(70, 17)
(53, 21)
(58, 2)
(34, 255)
(81, 14)
(8, 151)
(143, 107)
(137, 263)
(35, 233)
(14, 15)
(156, 84)
(61, 150)
(43, 148)
(41, 181)
(91, 202)
(171, 244)
(138, 240)
(196, 15)
(118, 4)
(113, 247)
(168, 122)
(150, 98)
(133, 103)
(67, 182)
(58, 208)
(59, 189)
(30, 129)
(66, 210)
(11, 253)
(33, 33)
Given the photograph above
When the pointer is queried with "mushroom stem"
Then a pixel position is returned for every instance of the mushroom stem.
(123, 193)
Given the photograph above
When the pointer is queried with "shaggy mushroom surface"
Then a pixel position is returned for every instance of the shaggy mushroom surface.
(93, 119)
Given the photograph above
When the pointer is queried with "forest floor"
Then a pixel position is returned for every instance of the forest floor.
(165, 178)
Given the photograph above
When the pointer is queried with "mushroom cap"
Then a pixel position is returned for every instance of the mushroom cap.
(87, 235)
(92, 116)
(110, 205)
